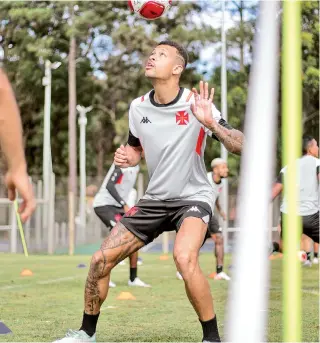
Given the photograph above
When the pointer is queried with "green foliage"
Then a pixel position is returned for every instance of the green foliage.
(112, 45)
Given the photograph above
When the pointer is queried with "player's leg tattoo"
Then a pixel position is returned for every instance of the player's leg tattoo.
(119, 244)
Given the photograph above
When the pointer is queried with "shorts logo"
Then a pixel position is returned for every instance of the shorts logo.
(133, 210)
(194, 209)
(117, 217)
(145, 120)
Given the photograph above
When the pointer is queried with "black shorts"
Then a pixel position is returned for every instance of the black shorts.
(109, 215)
(310, 226)
(150, 218)
(213, 226)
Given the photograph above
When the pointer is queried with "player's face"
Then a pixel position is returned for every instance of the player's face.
(314, 149)
(163, 63)
(223, 170)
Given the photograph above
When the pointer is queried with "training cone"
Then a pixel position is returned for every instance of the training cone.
(26, 272)
(126, 296)
(212, 275)
(164, 257)
(275, 257)
(4, 329)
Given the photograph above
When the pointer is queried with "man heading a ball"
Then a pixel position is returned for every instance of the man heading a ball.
(170, 125)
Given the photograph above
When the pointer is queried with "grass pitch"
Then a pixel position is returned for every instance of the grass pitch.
(40, 308)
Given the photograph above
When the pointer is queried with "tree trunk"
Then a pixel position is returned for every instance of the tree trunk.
(72, 118)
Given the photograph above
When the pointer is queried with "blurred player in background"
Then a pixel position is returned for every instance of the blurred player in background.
(115, 197)
(219, 172)
(308, 206)
(11, 143)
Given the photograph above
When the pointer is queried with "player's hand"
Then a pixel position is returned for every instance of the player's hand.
(126, 208)
(18, 180)
(202, 107)
(121, 157)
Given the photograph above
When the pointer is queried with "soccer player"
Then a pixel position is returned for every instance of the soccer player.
(111, 203)
(309, 175)
(219, 172)
(11, 143)
(170, 124)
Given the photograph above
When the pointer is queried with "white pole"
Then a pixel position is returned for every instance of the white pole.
(82, 121)
(248, 291)
(224, 110)
(46, 82)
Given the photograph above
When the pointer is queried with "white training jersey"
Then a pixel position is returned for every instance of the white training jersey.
(217, 187)
(307, 185)
(116, 187)
(173, 141)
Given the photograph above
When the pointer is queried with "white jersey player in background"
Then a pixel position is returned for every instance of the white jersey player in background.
(308, 167)
(115, 197)
(170, 125)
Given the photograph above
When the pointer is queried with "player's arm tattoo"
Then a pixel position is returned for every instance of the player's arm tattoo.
(232, 139)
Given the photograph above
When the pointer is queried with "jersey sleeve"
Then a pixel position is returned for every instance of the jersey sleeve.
(217, 116)
(115, 178)
(133, 139)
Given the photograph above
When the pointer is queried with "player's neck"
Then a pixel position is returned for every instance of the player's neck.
(164, 93)
(216, 178)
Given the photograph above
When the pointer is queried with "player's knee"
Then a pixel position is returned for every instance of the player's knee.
(101, 263)
(186, 262)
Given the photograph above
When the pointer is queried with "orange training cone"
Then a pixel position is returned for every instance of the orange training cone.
(126, 296)
(164, 258)
(26, 272)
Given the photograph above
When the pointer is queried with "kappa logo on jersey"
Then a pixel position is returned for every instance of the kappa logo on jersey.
(145, 120)
(133, 210)
(220, 189)
(182, 118)
(193, 209)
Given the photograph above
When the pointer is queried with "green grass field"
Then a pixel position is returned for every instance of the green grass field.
(40, 308)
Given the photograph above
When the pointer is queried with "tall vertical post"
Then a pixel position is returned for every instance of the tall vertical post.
(248, 291)
(224, 110)
(291, 148)
(82, 121)
(46, 145)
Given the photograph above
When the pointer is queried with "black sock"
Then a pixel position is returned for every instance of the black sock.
(219, 269)
(309, 256)
(210, 330)
(315, 255)
(89, 323)
(276, 247)
(133, 274)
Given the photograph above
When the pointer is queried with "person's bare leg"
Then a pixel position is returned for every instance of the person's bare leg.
(186, 255)
(134, 260)
(133, 266)
(219, 250)
(305, 245)
(119, 244)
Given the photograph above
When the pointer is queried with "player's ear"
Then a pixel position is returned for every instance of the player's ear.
(177, 69)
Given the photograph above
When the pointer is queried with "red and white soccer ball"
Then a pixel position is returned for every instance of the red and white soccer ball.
(302, 255)
(150, 9)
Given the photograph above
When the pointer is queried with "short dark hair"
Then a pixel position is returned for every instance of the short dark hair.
(182, 52)
(306, 140)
